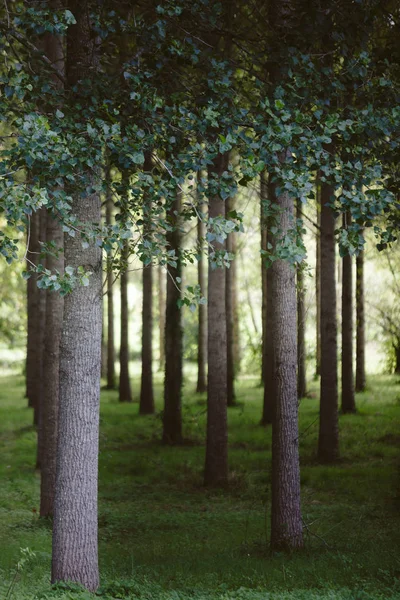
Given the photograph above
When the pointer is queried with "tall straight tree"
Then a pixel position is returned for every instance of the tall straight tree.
(267, 345)
(263, 227)
(202, 311)
(230, 293)
(301, 325)
(110, 374)
(328, 441)
(53, 47)
(348, 396)
(161, 316)
(216, 466)
(318, 281)
(146, 401)
(75, 553)
(125, 390)
(172, 421)
(360, 325)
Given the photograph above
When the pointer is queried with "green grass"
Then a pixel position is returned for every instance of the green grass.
(163, 536)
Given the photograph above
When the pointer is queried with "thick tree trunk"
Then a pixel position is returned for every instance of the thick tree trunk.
(146, 402)
(348, 397)
(110, 297)
(328, 442)
(125, 391)
(268, 356)
(360, 329)
(229, 293)
(52, 335)
(161, 316)
(318, 283)
(202, 311)
(301, 327)
(216, 466)
(172, 422)
(286, 522)
(75, 556)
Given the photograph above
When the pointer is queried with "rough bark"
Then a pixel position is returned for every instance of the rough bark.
(202, 311)
(348, 396)
(146, 402)
(161, 316)
(75, 556)
(318, 283)
(301, 326)
(286, 522)
(216, 465)
(268, 356)
(52, 333)
(111, 382)
(328, 442)
(125, 390)
(360, 327)
(229, 306)
(172, 421)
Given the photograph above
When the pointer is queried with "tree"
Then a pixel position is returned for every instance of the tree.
(328, 441)
(110, 295)
(230, 294)
(360, 324)
(75, 555)
(301, 326)
(172, 418)
(202, 310)
(348, 398)
(267, 348)
(216, 466)
(125, 390)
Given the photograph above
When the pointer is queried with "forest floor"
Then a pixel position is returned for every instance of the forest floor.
(163, 536)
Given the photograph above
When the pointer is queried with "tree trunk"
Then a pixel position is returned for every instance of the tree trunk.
(146, 403)
(52, 334)
(348, 397)
(32, 310)
(161, 316)
(268, 356)
(125, 391)
(75, 555)
(202, 311)
(328, 442)
(172, 422)
(318, 282)
(301, 327)
(360, 330)
(216, 465)
(397, 355)
(263, 225)
(39, 336)
(229, 293)
(110, 296)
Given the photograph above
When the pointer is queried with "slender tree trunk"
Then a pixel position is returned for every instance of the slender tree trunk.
(172, 422)
(75, 555)
(263, 224)
(32, 309)
(397, 355)
(229, 293)
(286, 522)
(268, 355)
(146, 404)
(328, 442)
(40, 328)
(216, 466)
(348, 397)
(52, 334)
(110, 296)
(202, 311)
(301, 327)
(125, 391)
(360, 330)
(103, 346)
(161, 316)
(318, 282)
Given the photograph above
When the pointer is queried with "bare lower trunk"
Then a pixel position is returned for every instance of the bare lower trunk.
(268, 355)
(161, 316)
(75, 556)
(111, 382)
(32, 310)
(229, 292)
(286, 522)
(216, 466)
(40, 331)
(348, 397)
(263, 225)
(360, 331)
(125, 391)
(202, 312)
(318, 283)
(328, 442)
(172, 422)
(301, 326)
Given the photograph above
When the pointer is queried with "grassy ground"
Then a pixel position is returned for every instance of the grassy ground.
(163, 536)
